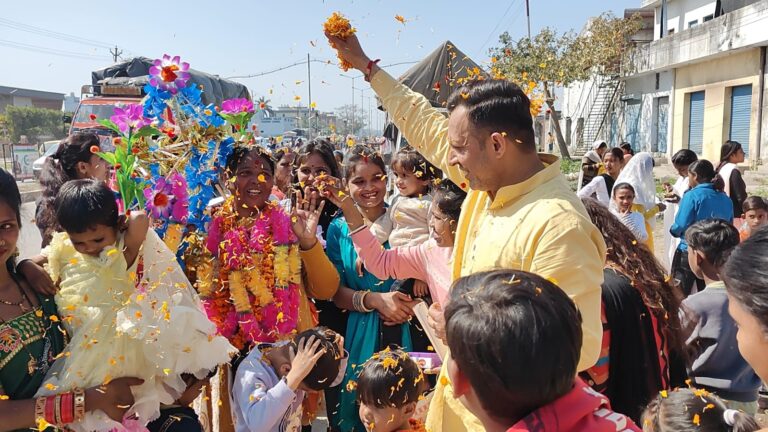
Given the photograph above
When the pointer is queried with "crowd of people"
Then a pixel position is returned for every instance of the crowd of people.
(484, 294)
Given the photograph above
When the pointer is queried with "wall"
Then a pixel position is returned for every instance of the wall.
(680, 13)
(644, 88)
(715, 78)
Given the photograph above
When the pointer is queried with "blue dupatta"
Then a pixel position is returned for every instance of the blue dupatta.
(362, 338)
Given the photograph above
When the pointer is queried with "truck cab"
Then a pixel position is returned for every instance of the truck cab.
(99, 102)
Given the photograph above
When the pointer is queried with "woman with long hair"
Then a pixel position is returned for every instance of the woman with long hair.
(731, 154)
(75, 159)
(641, 336)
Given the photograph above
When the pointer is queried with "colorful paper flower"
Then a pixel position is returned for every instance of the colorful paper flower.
(129, 117)
(236, 106)
(169, 73)
(168, 198)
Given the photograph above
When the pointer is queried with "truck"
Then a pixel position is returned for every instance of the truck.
(123, 83)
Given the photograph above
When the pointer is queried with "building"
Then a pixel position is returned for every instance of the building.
(715, 62)
(699, 82)
(71, 102)
(20, 97)
(277, 121)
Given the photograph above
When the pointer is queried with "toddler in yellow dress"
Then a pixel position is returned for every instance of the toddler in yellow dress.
(126, 305)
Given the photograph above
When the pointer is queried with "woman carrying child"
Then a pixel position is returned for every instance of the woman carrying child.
(123, 319)
(377, 316)
(31, 338)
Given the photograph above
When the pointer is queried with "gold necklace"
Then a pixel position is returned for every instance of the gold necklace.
(32, 364)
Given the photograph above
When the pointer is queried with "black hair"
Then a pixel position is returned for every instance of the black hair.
(83, 204)
(603, 144)
(746, 275)
(448, 197)
(715, 238)
(705, 173)
(499, 106)
(391, 378)
(693, 409)
(362, 153)
(325, 371)
(9, 194)
(239, 153)
(684, 157)
(323, 148)
(728, 149)
(754, 202)
(617, 153)
(407, 159)
(621, 186)
(628, 147)
(58, 169)
(279, 154)
(510, 317)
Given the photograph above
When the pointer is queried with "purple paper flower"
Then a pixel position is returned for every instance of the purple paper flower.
(168, 198)
(169, 74)
(130, 116)
(236, 106)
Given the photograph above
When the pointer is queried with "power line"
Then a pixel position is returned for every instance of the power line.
(300, 63)
(44, 50)
(52, 34)
(493, 32)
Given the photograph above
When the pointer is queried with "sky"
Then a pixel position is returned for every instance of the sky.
(67, 40)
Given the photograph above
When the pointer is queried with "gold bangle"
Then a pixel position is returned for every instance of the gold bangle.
(57, 409)
(79, 404)
(39, 409)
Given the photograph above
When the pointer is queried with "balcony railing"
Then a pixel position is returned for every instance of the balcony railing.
(743, 28)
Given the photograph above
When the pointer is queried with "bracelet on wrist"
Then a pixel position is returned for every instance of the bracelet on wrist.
(369, 69)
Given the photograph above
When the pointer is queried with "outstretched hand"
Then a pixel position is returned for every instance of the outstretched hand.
(305, 216)
(350, 50)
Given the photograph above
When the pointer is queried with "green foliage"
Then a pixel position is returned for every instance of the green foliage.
(570, 166)
(33, 122)
(561, 59)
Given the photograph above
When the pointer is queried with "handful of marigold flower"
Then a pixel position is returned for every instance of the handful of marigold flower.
(339, 26)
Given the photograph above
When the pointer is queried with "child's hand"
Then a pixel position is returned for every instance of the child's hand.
(339, 341)
(38, 278)
(303, 361)
(420, 288)
(305, 216)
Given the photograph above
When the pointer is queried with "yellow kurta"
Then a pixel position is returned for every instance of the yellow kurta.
(538, 226)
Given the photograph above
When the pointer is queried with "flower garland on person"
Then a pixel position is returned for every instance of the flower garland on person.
(257, 298)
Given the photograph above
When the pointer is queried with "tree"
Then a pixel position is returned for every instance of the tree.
(262, 103)
(351, 118)
(551, 59)
(33, 122)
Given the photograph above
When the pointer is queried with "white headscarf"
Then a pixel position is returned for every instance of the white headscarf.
(639, 173)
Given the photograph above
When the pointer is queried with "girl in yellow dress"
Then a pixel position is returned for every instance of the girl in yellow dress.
(127, 307)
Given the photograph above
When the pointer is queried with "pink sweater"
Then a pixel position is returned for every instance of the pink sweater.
(426, 261)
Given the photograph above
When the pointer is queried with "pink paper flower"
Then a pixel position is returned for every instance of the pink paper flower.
(236, 106)
(129, 117)
(169, 73)
(168, 198)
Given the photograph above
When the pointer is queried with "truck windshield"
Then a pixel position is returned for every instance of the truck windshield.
(100, 111)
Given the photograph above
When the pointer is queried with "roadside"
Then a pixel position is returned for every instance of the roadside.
(30, 190)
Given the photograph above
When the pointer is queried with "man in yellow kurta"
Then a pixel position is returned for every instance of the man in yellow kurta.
(519, 212)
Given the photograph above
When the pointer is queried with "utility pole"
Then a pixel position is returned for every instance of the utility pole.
(116, 53)
(528, 15)
(353, 78)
